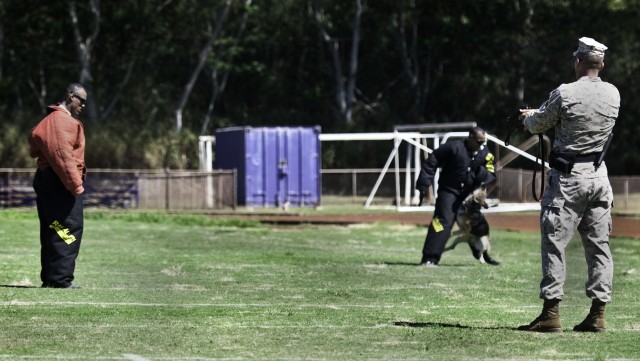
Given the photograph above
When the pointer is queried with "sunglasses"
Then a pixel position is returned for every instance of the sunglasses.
(80, 99)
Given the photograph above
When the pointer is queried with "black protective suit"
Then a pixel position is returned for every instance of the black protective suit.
(461, 171)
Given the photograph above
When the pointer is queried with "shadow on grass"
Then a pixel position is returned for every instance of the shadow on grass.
(17, 286)
(448, 325)
(416, 264)
(401, 263)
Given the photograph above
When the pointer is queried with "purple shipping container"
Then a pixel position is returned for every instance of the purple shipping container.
(276, 167)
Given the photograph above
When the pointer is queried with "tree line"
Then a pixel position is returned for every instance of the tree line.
(161, 72)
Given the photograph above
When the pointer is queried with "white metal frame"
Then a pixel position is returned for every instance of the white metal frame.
(413, 139)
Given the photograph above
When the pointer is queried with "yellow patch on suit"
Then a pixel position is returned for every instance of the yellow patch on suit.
(489, 158)
(63, 232)
(437, 226)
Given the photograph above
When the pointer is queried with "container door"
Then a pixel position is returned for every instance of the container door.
(270, 170)
(299, 167)
(254, 158)
(310, 180)
(281, 166)
(290, 166)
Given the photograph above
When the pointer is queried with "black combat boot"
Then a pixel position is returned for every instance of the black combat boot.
(549, 319)
(595, 319)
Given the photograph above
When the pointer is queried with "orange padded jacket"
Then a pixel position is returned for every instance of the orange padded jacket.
(58, 142)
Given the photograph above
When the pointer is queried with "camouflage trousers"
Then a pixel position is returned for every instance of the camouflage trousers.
(580, 201)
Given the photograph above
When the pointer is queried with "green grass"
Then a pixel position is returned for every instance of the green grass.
(184, 287)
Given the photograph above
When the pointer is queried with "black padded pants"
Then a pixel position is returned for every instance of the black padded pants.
(61, 225)
(444, 215)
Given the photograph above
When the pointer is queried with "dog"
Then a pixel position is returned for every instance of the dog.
(473, 227)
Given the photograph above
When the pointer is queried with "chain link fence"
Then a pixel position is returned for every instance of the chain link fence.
(511, 186)
(197, 190)
(144, 189)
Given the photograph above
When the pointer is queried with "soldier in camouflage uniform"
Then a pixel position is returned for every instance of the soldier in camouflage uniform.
(578, 193)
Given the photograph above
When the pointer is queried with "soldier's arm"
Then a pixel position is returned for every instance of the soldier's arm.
(546, 117)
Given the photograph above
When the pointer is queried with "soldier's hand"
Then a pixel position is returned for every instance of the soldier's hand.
(523, 114)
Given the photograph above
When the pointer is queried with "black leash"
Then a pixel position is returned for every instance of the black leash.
(542, 150)
(507, 139)
(514, 124)
(513, 119)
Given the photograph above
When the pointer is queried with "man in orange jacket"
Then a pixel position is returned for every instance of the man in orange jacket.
(58, 143)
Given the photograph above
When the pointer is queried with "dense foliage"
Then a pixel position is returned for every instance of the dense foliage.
(161, 72)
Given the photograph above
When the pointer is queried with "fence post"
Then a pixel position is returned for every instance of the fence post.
(209, 190)
(235, 188)
(626, 193)
(166, 188)
(520, 191)
(354, 183)
(9, 188)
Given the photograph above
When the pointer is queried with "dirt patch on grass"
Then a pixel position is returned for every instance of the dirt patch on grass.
(622, 226)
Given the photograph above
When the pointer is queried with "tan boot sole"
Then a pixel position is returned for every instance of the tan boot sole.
(589, 329)
(537, 329)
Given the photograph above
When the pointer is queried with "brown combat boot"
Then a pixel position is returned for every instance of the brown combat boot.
(548, 321)
(595, 319)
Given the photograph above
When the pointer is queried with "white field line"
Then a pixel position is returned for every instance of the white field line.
(189, 305)
(228, 326)
(198, 358)
(226, 305)
(254, 326)
(132, 357)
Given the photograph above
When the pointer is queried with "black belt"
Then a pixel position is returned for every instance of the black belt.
(587, 157)
(564, 161)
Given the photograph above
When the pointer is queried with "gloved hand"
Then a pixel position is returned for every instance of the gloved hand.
(423, 192)
(480, 176)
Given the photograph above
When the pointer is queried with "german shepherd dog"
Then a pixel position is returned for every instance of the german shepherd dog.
(473, 227)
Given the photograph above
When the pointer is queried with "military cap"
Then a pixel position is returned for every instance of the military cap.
(590, 46)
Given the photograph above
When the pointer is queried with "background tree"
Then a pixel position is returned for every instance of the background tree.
(348, 66)
(345, 82)
(214, 31)
(220, 64)
(85, 47)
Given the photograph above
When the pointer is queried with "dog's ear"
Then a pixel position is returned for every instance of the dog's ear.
(484, 201)
(480, 196)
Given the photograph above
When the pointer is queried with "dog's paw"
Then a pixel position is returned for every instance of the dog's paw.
(489, 260)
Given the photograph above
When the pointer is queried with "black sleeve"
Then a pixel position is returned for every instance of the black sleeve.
(428, 170)
(485, 173)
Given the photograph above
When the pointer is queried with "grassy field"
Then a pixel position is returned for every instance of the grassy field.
(160, 287)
